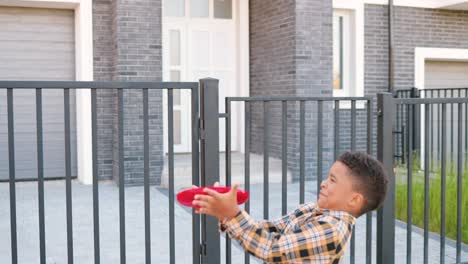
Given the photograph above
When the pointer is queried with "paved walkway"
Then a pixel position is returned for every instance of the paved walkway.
(28, 243)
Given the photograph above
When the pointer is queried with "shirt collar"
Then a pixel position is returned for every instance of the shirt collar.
(338, 214)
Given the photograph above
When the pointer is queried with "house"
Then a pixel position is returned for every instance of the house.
(256, 47)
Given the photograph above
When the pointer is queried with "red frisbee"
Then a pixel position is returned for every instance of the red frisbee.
(186, 197)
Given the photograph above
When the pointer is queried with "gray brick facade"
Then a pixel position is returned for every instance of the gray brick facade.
(290, 54)
(413, 27)
(127, 47)
(103, 62)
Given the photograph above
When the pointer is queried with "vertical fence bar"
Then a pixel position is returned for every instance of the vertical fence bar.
(319, 145)
(146, 179)
(409, 184)
(353, 148)
(369, 214)
(247, 163)
(68, 187)
(403, 139)
(443, 184)
(209, 125)
(397, 133)
(431, 129)
(400, 134)
(452, 150)
(228, 166)
(459, 184)
(386, 214)
(266, 142)
(97, 254)
(417, 122)
(170, 120)
(121, 178)
(337, 129)
(439, 127)
(301, 152)
(195, 173)
(284, 158)
(466, 129)
(40, 176)
(426, 182)
(11, 168)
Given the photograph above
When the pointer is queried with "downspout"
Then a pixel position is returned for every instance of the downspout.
(390, 48)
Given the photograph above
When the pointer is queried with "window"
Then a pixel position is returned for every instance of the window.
(338, 52)
(343, 58)
(222, 9)
(218, 9)
(174, 8)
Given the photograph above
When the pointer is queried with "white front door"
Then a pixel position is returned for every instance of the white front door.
(199, 40)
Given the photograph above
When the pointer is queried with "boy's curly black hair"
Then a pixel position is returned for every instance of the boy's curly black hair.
(370, 178)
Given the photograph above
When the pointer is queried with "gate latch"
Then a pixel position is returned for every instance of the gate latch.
(202, 134)
(203, 249)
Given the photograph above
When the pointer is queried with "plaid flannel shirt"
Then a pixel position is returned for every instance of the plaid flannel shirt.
(306, 235)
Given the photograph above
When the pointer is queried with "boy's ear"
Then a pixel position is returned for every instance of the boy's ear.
(357, 201)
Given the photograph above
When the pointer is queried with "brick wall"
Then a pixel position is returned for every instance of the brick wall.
(413, 27)
(103, 62)
(290, 54)
(127, 47)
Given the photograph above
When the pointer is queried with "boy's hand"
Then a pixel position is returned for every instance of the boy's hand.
(220, 205)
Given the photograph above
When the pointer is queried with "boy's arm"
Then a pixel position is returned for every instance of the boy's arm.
(316, 239)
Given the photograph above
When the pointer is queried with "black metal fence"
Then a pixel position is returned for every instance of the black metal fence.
(435, 124)
(325, 114)
(205, 159)
(433, 166)
(144, 87)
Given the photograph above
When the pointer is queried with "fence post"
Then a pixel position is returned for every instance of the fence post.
(417, 120)
(209, 159)
(385, 144)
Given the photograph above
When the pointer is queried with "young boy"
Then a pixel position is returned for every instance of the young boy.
(313, 233)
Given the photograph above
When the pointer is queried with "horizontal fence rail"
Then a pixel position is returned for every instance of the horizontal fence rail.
(435, 172)
(278, 114)
(39, 86)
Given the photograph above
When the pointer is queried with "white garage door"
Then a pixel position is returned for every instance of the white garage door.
(36, 44)
(446, 74)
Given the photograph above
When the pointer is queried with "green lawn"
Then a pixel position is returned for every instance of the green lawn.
(435, 215)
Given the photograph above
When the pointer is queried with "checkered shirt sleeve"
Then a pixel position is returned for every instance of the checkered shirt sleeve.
(321, 240)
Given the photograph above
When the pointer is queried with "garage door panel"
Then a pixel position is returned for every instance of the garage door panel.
(27, 49)
(37, 44)
(35, 37)
(35, 15)
(446, 74)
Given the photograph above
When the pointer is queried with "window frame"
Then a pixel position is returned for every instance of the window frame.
(347, 58)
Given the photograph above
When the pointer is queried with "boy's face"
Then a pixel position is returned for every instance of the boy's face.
(336, 192)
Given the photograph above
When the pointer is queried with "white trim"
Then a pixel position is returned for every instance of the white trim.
(83, 72)
(422, 4)
(357, 7)
(443, 54)
(420, 56)
(60, 4)
(243, 70)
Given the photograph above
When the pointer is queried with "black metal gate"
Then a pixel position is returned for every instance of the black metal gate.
(333, 124)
